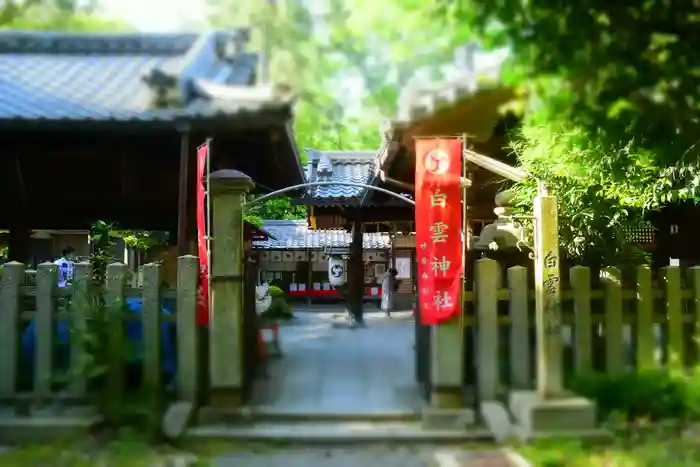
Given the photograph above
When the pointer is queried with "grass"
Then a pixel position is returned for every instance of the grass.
(647, 448)
(122, 451)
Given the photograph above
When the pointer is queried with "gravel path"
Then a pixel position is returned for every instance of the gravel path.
(366, 457)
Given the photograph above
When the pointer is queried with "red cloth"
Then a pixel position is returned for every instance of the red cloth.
(439, 227)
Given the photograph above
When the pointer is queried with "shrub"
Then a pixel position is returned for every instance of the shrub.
(279, 309)
(275, 292)
(653, 394)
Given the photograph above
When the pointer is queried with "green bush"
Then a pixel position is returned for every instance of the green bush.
(275, 292)
(279, 309)
(654, 394)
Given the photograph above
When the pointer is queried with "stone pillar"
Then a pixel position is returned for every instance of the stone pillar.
(446, 365)
(549, 410)
(228, 189)
(548, 297)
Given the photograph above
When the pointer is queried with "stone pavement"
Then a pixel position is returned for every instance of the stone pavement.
(328, 367)
(418, 456)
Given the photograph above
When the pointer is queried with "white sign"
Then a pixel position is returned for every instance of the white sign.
(403, 267)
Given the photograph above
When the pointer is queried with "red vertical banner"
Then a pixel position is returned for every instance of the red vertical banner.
(202, 238)
(439, 228)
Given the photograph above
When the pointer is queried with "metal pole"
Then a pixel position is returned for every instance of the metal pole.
(465, 238)
(465, 220)
(314, 184)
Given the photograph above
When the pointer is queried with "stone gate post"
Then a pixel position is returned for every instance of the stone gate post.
(447, 365)
(551, 409)
(228, 189)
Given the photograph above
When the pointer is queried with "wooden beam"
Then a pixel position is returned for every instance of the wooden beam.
(515, 174)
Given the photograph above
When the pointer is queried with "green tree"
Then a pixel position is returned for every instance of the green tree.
(345, 62)
(338, 53)
(55, 15)
(612, 113)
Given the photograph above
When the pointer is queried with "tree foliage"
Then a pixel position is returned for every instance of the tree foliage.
(345, 62)
(612, 105)
(56, 15)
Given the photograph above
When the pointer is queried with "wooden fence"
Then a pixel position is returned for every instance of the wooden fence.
(36, 318)
(609, 328)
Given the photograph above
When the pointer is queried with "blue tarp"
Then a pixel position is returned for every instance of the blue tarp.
(133, 335)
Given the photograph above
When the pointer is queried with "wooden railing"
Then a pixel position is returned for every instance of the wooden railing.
(40, 322)
(610, 328)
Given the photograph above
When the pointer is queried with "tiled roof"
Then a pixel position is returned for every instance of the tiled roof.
(475, 73)
(297, 235)
(122, 77)
(422, 102)
(338, 166)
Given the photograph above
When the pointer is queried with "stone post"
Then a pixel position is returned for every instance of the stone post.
(550, 410)
(547, 297)
(447, 410)
(446, 364)
(228, 189)
(13, 276)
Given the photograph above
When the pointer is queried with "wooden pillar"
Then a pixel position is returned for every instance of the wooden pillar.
(228, 190)
(356, 275)
(183, 190)
(18, 241)
(392, 253)
(547, 297)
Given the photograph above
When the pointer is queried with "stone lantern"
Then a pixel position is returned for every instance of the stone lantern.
(504, 233)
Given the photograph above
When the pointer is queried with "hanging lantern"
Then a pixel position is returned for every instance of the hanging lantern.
(336, 271)
(337, 264)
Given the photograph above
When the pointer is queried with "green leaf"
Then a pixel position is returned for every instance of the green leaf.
(618, 107)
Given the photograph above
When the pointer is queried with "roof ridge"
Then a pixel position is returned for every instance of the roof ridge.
(60, 43)
(341, 154)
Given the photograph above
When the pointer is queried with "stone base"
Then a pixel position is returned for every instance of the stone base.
(496, 417)
(177, 419)
(46, 429)
(562, 416)
(226, 397)
(447, 419)
(446, 398)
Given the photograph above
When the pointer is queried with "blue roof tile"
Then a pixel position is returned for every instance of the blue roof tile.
(56, 76)
(339, 166)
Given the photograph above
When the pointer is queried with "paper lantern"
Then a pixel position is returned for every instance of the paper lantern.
(336, 271)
